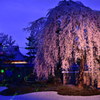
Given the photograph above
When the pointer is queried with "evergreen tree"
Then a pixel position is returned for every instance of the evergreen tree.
(34, 40)
(31, 47)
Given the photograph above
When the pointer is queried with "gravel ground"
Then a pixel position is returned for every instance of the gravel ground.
(46, 96)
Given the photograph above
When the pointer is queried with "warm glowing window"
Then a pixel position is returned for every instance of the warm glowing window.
(17, 62)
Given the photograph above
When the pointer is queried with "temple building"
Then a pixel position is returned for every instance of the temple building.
(13, 64)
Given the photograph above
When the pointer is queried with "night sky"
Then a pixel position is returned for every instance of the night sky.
(16, 15)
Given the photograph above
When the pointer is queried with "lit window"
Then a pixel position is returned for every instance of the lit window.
(18, 62)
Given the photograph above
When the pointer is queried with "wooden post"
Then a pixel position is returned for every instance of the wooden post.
(86, 78)
(98, 86)
(98, 82)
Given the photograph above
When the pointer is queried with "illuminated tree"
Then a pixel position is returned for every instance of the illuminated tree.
(80, 27)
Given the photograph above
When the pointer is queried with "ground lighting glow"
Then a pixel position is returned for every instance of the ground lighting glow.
(2, 71)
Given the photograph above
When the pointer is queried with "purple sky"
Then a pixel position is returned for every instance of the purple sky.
(16, 14)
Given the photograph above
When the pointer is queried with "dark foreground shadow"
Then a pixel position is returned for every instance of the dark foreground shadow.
(15, 91)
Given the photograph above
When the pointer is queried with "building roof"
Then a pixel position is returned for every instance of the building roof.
(14, 53)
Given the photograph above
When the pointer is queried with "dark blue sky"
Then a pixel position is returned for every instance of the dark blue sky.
(16, 14)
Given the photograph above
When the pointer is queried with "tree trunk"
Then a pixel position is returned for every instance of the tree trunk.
(81, 72)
